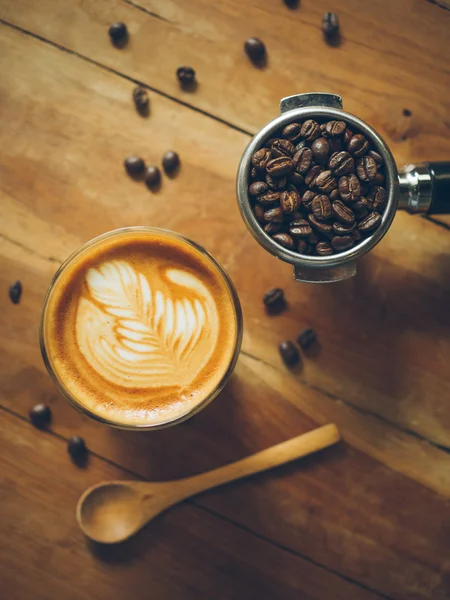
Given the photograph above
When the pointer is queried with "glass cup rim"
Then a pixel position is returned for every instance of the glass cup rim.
(234, 300)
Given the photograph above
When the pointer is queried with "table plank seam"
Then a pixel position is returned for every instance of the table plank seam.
(148, 12)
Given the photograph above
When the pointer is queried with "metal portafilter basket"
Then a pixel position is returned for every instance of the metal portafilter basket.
(423, 188)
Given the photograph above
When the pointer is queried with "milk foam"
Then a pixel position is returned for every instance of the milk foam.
(137, 333)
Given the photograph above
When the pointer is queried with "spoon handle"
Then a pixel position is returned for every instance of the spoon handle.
(302, 445)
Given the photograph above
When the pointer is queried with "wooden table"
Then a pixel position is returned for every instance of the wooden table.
(364, 520)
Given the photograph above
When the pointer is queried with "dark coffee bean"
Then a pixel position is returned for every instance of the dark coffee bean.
(310, 130)
(296, 216)
(272, 228)
(186, 76)
(301, 144)
(342, 242)
(343, 213)
(341, 163)
(170, 161)
(379, 179)
(334, 195)
(358, 145)
(335, 128)
(321, 207)
(330, 25)
(320, 226)
(325, 182)
(312, 174)
(378, 196)
(341, 229)
(279, 166)
(348, 134)
(269, 198)
(303, 247)
(77, 449)
(284, 239)
(289, 353)
(152, 176)
(282, 147)
(324, 249)
(141, 99)
(356, 235)
(370, 223)
(366, 168)
(15, 292)
(257, 187)
(292, 132)
(276, 184)
(296, 179)
(308, 197)
(40, 416)
(255, 49)
(307, 338)
(134, 165)
(361, 207)
(376, 157)
(320, 149)
(259, 211)
(300, 228)
(274, 300)
(274, 215)
(290, 201)
(118, 33)
(335, 144)
(349, 188)
(313, 238)
(302, 160)
(261, 157)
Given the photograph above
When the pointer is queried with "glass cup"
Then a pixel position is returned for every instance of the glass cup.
(78, 255)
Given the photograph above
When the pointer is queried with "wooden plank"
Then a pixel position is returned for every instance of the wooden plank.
(187, 553)
(64, 183)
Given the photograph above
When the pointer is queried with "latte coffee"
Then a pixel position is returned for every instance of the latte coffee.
(141, 328)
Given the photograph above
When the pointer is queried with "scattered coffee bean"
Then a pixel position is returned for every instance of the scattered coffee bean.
(330, 26)
(76, 447)
(274, 300)
(341, 163)
(255, 49)
(378, 196)
(366, 168)
(312, 174)
(15, 292)
(134, 165)
(370, 222)
(325, 182)
(279, 166)
(289, 353)
(300, 228)
(276, 183)
(321, 207)
(324, 249)
(324, 228)
(310, 130)
(259, 211)
(334, 195)
(40, 416)
(307, 338)
(342, 242)
(335, 128)
(376, 157)
(186, 77)
(321, 149)
(307, 198)
(341, 229)
(342, 212)
(272, 228)
(118, 33)
(348, 134)
(358, 145)
(361, 207)
(152, 176)
(296, 179)
(170, 161)
(284, 239)
(292, 132)
(290, 201)
(282, 147)
(349, 188)
(302, 160)
(261, 157)
(269, 198)
(274, 215)
(257, 187)
(141, 99)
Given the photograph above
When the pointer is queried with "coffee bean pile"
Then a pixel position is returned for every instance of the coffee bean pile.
(317, 188)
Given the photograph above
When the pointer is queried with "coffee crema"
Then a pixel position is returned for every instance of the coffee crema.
(140, 327)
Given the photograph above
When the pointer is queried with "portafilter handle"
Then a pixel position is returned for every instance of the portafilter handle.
(425, 188)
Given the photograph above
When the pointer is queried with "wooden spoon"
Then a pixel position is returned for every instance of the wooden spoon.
(112, 511)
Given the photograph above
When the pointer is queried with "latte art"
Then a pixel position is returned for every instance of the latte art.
(135, 333)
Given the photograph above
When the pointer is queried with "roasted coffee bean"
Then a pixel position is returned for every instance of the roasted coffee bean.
(276, 184)
(282, 147)
(348, 134)
(15, 292)
(379, 179)
(291, 132)
(313, 238)
(320, 226)
(40, 416)
(321, 207)
(290, 201)
(272, 228)
(308, 197)
(274, 300)
(284, 239)
(289, 353)
(342, 242)
(324, 249)
(301, 144)
(279, 166)
(257, 187)
(358, 145)
(370, 223)
(152, 176)
(342, 213)
(335, 144)
(118, 33)
(349, 188)
(310, 130)
(261, 157)
(141, 99)
(303, 247)
(376, 157)
(302, 160)
(361, 207)
(307, 338)
(186, 76)
(378, 195)
(296, 179)
(312, 174)
(134, 165)
(335, 128)
(170, 161)
(269, 198)
(330, 26)
(341, 163)
(356, 235)
(334, 195)
(366, 168)
(77, 449)
(320, 149)
(255, 49)
(325, 182)
(341, 229)
(259, 211)
(300, 228)
(274, 215)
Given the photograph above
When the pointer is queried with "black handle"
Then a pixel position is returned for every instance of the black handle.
(440, 188)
